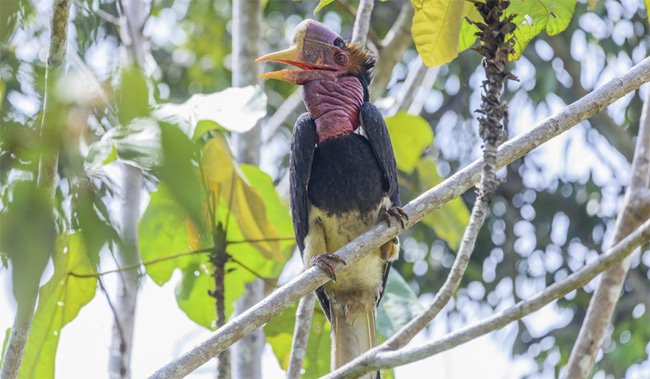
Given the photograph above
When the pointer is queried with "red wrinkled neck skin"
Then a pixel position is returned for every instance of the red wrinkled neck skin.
(334, 105)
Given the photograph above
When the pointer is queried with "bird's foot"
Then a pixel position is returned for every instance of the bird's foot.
(327, 263)
(396, 212)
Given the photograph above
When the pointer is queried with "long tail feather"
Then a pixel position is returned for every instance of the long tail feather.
(353, 333)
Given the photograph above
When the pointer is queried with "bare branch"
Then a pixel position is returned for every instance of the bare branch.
(304, 315)
(362, 22)
(423, 90)
(432, 199)
(397, 40)
(284, 111)
(602, 304)
(389, 359)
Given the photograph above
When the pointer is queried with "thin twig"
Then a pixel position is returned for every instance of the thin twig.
(385, 360)
(417, 209)
(304, 315)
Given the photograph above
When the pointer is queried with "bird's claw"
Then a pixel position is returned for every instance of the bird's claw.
(398, 213)
(327, 263)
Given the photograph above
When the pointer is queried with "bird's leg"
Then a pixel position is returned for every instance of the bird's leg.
(327, 262)
(396, 212)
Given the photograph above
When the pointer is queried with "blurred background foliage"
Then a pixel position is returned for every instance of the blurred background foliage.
(552, 215)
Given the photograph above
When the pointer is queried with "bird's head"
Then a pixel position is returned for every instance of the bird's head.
(319, 54)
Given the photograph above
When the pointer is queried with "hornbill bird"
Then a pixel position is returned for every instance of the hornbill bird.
(341, 182)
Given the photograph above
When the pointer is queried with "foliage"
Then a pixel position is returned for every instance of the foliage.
(398, 306)
(443, 28)
(60, 300)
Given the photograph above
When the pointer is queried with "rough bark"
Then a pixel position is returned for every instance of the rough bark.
(47, 172)
(247, 20)
(427, 202)
(635, 211)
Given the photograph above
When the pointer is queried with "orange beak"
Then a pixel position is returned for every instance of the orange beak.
(314, 60)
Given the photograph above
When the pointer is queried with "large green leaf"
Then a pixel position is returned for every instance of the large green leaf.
(436, 27)
(410, 135)
(448, 221)
(162, 233)
(398, 306)
(532, 18)
(132, 95)
(279, 334)
(60, 300)
(27, 236)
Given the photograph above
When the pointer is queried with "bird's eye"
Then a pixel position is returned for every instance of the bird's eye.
(340, 59)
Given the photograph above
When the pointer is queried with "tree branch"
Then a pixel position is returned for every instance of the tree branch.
(47, 171)
(362, 22)
(379, 234)
(304, 315)
(397, 40)
(385, 360)
(601, 307)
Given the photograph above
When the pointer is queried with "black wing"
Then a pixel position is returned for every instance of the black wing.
(303, 146)
(375, 127)
(302, 155)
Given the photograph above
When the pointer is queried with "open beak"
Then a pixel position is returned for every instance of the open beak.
(310, 59)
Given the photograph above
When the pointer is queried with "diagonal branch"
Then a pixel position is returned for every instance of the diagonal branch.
(385, 360)
(304, 314)
(453, 187)
(636, 209)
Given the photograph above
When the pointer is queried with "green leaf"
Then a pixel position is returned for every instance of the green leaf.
(448, 221)
(468, 30)
(535, 17)
(647, 8)
(322, 4)
(279, 333)
(162, 233)
(27, 236)
(132, 95)
(179, 172)
(398, 306)
(60, 300)
(4, 345)
(436, 26)
(410, 135)
(138, 144)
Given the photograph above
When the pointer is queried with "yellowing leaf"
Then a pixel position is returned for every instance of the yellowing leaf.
(591, 4)
(60, 300)
(647, 8)
(410, 135)
(436, 25)
(226, 180)
(448, 221)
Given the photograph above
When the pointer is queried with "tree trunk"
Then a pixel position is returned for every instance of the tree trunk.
(119, 362)
(247, 19)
